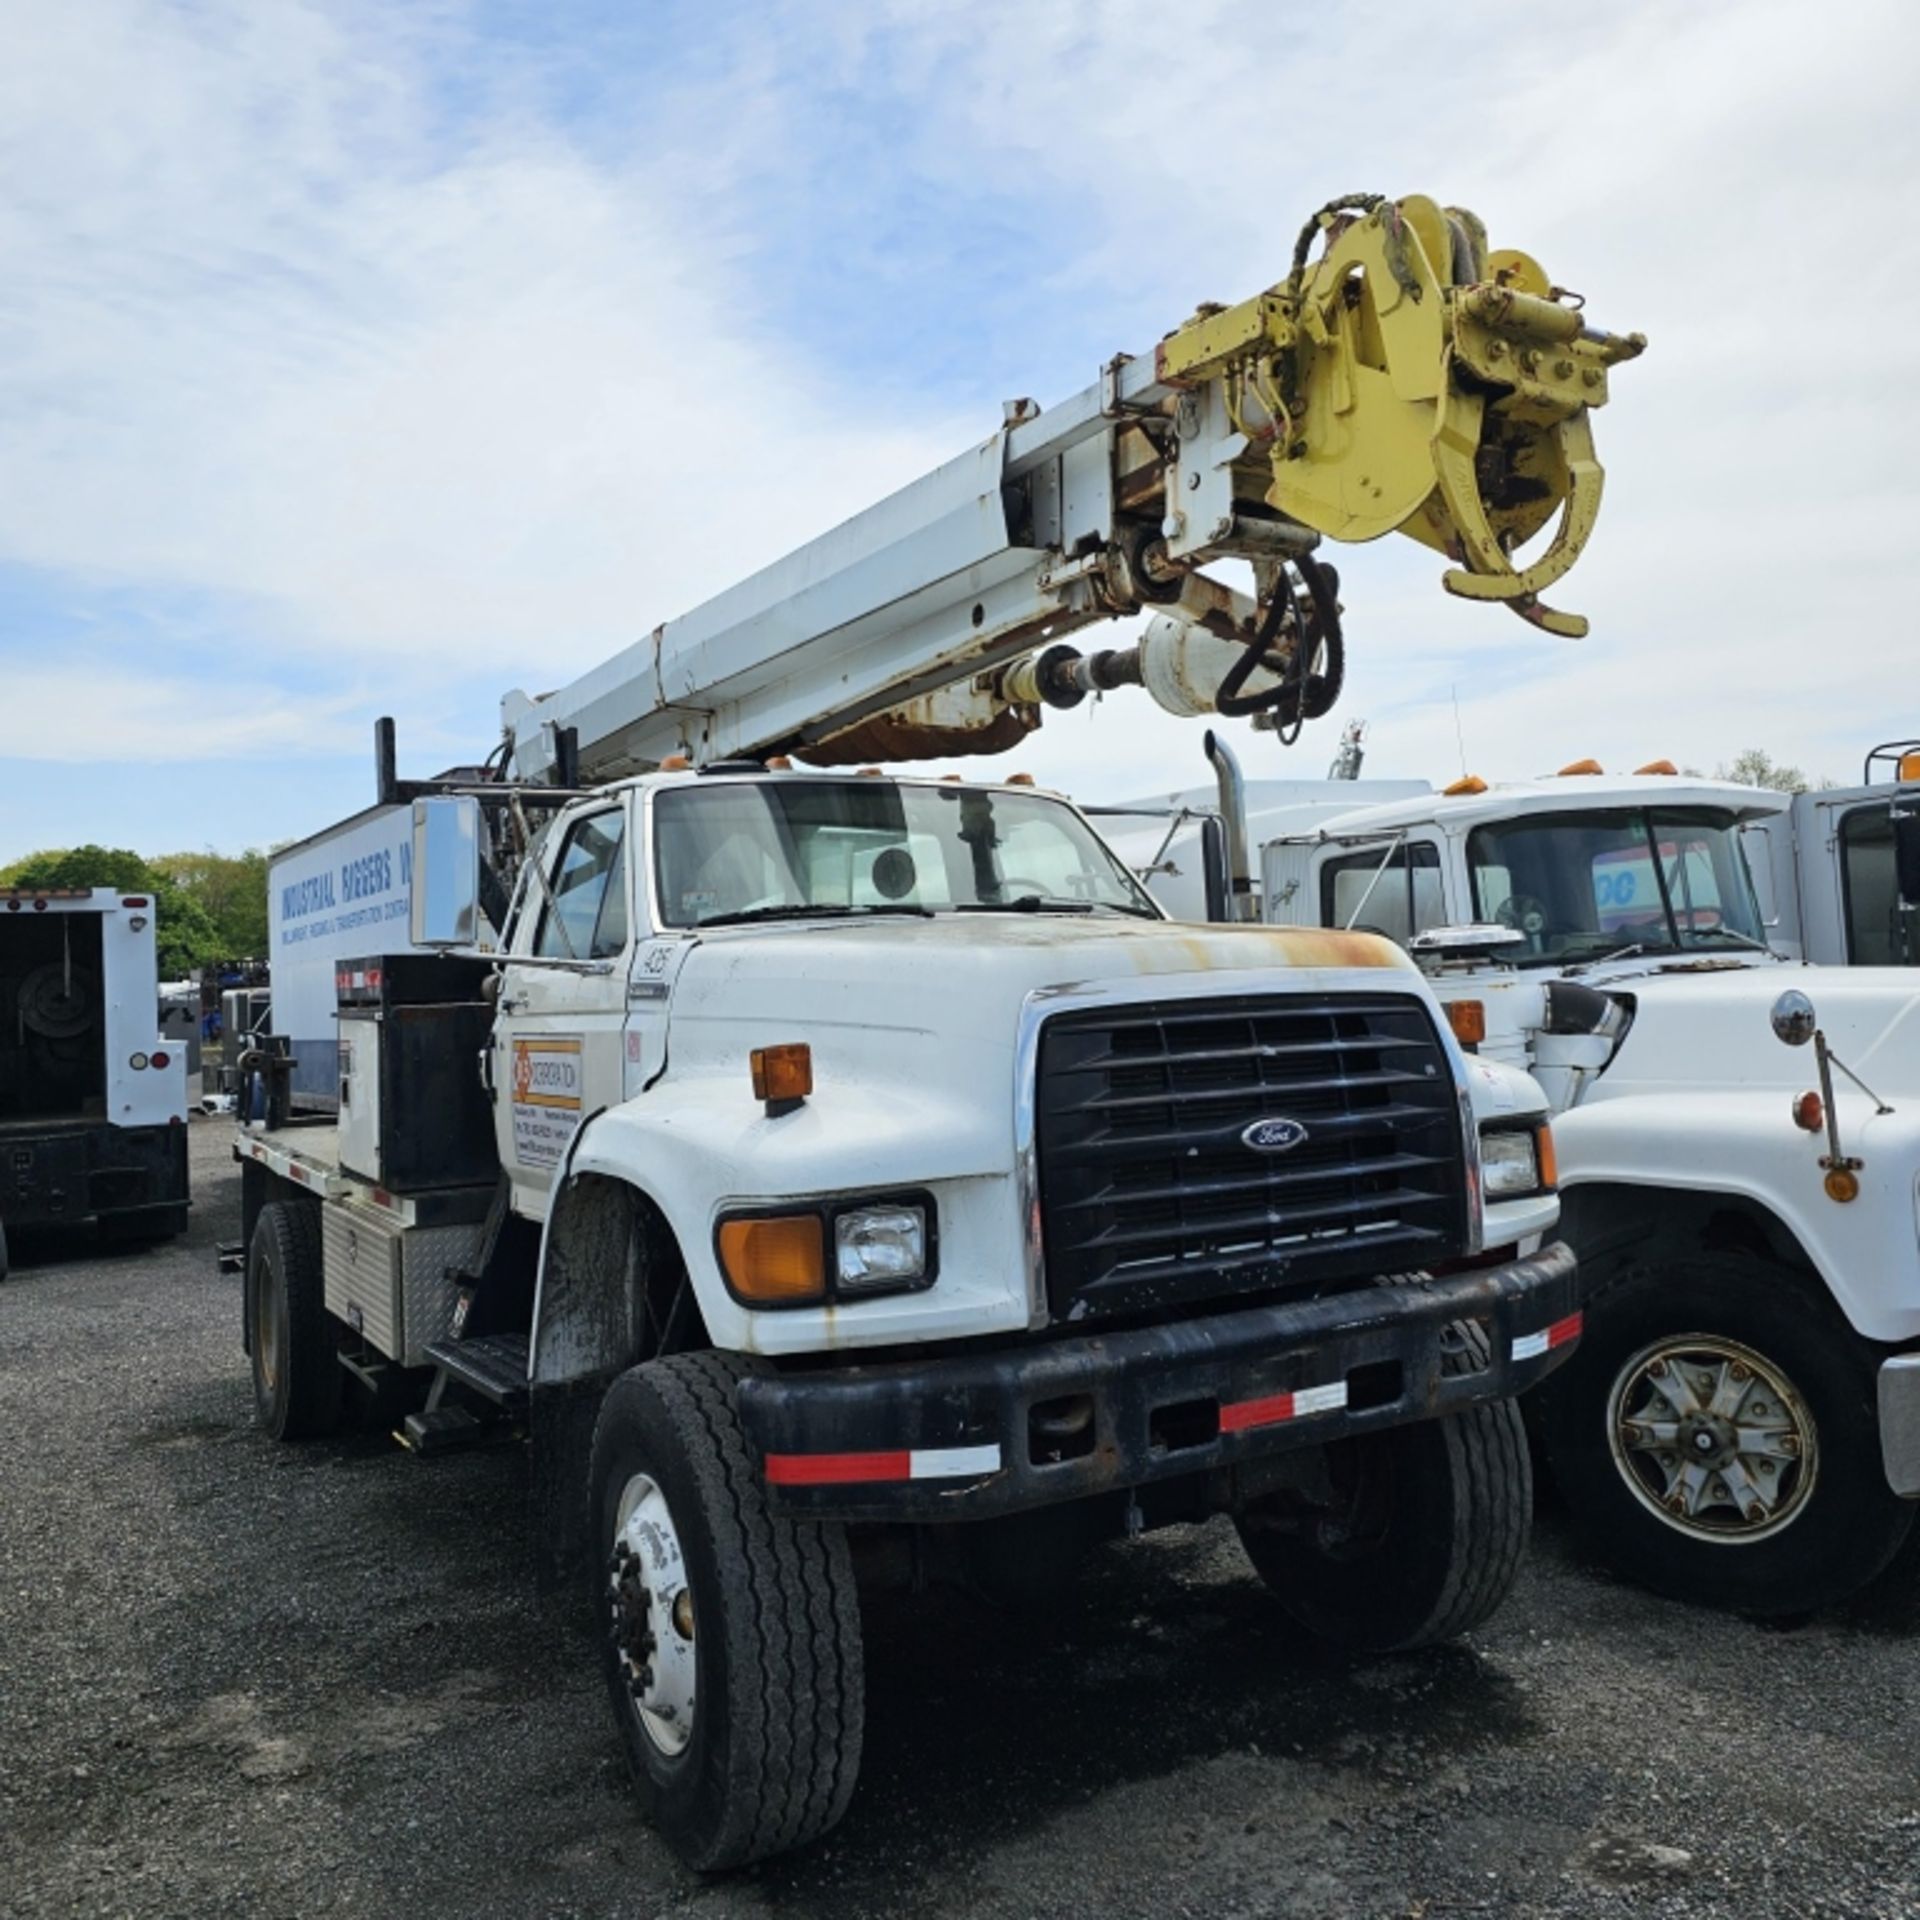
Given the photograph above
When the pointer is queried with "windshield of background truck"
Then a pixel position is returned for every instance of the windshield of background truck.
(788, 848)
(1582, 885)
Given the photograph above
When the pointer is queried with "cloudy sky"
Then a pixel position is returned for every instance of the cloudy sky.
(365, 360)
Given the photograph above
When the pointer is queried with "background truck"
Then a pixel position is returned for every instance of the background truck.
(1827, 865)
(1742, 1423)
(93, 1099)
(827, 1166)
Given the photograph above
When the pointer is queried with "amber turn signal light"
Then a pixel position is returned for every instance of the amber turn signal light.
(1809, 1115)
(1468, 1019)
(1544, 1154)
(783, 1076)
(777, 1260)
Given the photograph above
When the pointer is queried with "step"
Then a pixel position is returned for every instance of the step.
(493, 1365)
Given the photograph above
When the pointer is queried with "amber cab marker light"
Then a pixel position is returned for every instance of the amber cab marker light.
(1467, 783)
(782, 1076)
(1660, 766)
(1468, 1019)
(1544, 1156)
(777, 1261)
(1581, 767)
(1909, 767)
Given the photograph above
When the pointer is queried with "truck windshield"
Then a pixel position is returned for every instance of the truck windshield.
(803, 847)
(1581, 886)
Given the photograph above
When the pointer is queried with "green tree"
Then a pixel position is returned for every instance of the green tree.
(187, 935)
(1757, 768)
(232, 888)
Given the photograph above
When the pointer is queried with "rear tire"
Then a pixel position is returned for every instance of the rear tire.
(1827, 1522)
(296, 1368)
(1423, 1538)
(744, 1733)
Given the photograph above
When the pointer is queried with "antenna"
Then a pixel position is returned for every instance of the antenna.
(1459, 732)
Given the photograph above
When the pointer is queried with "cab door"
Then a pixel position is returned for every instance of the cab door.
(559, 1042)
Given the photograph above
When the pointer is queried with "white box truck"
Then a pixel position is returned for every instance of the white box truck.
(93, 1097)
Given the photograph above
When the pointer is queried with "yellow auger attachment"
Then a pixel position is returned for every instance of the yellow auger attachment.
(1410, 381)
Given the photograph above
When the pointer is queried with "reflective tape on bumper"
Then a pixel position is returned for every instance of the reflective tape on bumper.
(846, 1469)
(1530, 1346)
(1238, 1415)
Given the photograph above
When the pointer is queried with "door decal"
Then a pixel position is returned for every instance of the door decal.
(546, 1097)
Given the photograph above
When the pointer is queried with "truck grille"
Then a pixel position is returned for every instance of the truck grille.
(1151, 1197)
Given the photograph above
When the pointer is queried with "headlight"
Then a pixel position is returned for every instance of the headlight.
(878, 1247)
(804, 1258)
(1510, 1163)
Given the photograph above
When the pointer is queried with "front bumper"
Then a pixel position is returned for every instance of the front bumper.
(956, 1438)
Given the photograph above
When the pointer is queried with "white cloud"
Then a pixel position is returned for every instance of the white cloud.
(448, 401)
(492, 412)
(103, 711)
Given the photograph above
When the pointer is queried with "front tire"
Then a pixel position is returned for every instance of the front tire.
(1419, 1535)
(1717, 1439)
(731, 1642)
(290, 1337)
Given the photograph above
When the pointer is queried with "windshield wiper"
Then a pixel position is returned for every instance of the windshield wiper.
(798, 910)
(1697, 934)
(1024, 903)
(1626, 950)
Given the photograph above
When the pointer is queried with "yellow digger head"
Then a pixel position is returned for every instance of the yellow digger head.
(1409, 380)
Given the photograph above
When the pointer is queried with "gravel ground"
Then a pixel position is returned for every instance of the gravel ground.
(245, 1679)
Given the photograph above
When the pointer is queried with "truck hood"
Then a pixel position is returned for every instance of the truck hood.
(966, 976)
(1694, 1029)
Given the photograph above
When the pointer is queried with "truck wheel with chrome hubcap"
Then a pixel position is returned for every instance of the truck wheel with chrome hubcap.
(1717, 1438)
(730, 1636)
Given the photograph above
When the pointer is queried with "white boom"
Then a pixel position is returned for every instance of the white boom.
(1332, 403)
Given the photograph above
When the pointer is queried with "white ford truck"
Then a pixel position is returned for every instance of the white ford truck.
(856, 1158)
(1742, 1423)
(827, 1166)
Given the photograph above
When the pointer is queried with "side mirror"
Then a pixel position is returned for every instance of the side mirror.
(1793, 1018)
(445, 909)
(1906, 853)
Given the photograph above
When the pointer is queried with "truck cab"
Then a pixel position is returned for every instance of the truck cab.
(1745, 1210)
(1831, 859)
(877, 1145)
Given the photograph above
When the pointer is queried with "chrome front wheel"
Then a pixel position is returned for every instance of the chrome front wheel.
(1713, 1438)
(650, 1603)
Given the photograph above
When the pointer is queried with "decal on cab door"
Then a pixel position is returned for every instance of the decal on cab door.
(547, 1096)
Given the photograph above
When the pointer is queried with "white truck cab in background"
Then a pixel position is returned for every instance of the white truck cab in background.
(1827, 868)
(1742, 1424)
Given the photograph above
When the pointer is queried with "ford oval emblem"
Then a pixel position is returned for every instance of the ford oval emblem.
(1273, 1136)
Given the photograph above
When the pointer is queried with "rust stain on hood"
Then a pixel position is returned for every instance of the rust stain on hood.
(1237, 947)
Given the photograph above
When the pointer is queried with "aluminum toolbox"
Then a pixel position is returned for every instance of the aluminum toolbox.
(394, 1284)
